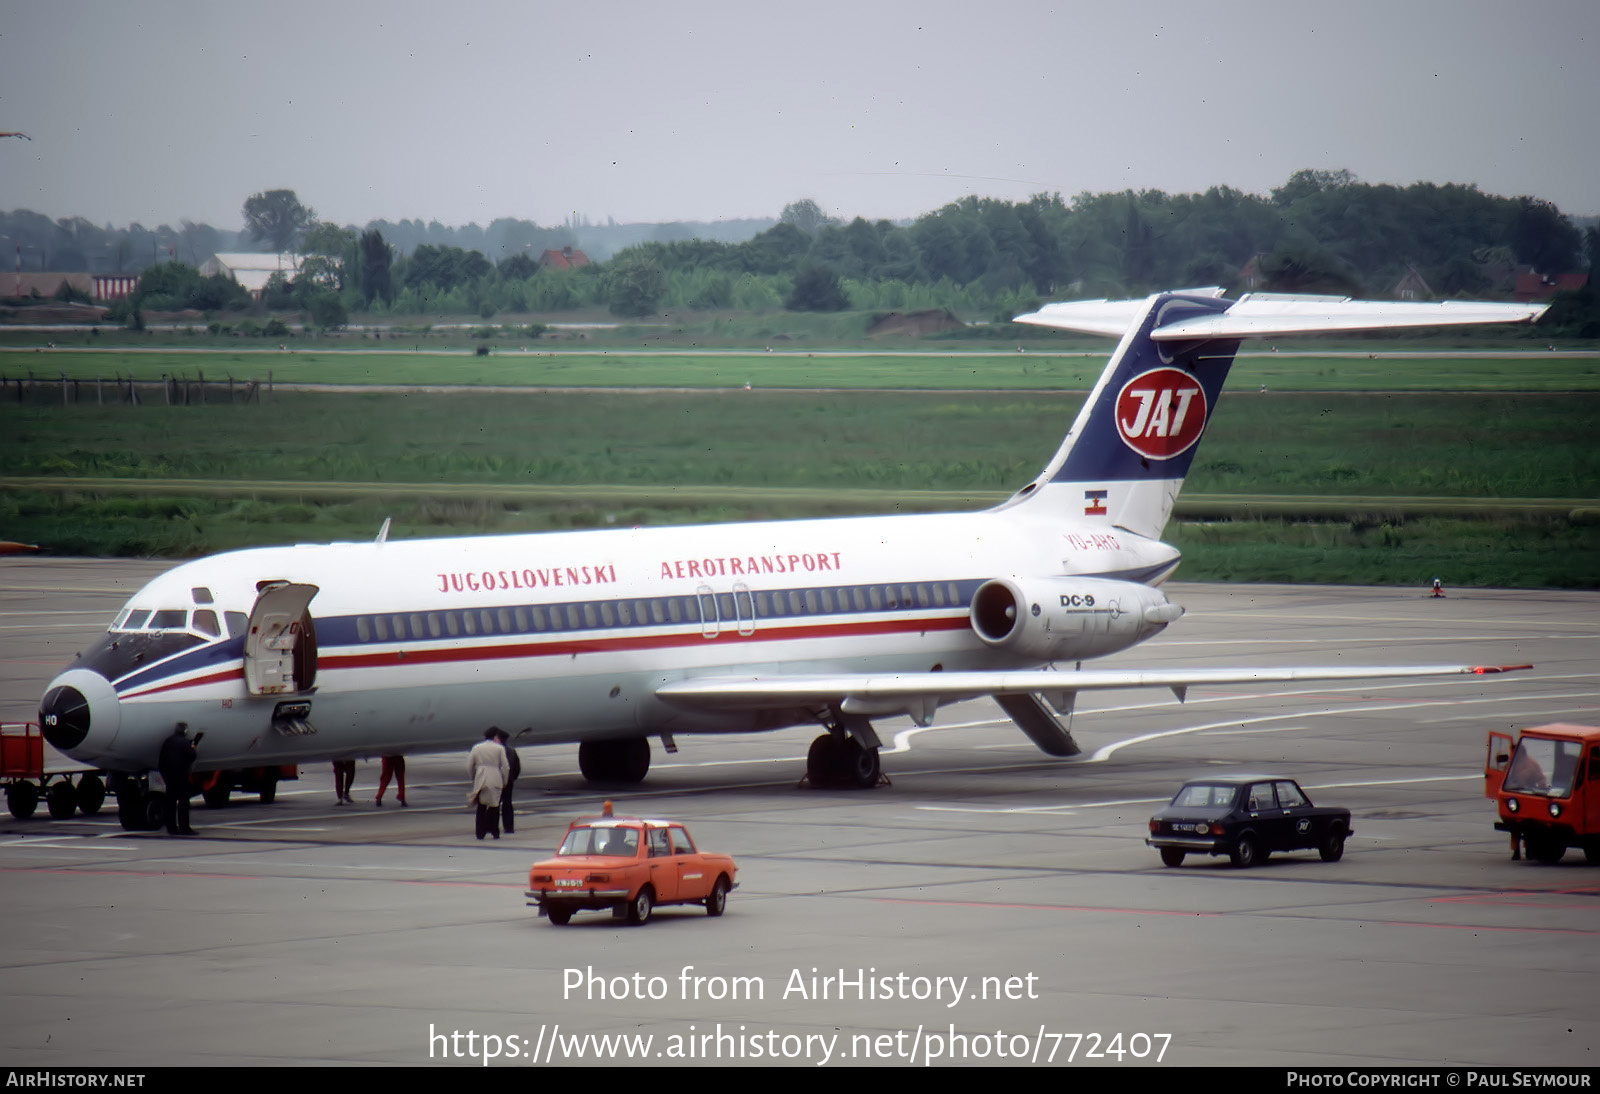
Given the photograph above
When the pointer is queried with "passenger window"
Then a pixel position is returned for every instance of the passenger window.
(363, 629)
(891, 600)
(434, 627)
(468, 623)
(861, 601)
(624, 614)
(875, 598)
(538, 619)
(922, 596)
(590, 619)
(1261, 797)
(674, 610)
(522, 620)
(399, 626)
(680, 842)
(826, 596)
(452, 624)
(953, 592)
(573, 621)
(938, 596)
(486, 620)
(206, 623)
(811, 601)
(504, 615)
(1289, 797)
(381, 625)
(725, 606)
(659, 847)
(763, 609)
(416, 626)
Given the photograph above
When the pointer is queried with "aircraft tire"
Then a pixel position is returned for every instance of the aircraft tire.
(822, 761)
(216, 795)
(130, 807)
(859, 767)
(155, 811)
(633, 760)
(62, 800)
(625, 761)
(269, 789)
(91, 794)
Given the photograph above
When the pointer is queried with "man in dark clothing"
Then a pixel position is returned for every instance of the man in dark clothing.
(175, 763)
(507, 815)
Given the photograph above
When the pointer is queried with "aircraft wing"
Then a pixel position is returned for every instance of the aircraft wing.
(914, 688)
(1262, 315)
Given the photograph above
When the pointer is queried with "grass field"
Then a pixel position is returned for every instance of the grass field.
(626, 459)
(896, 370)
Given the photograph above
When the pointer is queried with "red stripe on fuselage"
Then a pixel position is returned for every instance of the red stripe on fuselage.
(565, 648)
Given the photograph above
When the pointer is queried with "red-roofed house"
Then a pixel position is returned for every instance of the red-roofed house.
(565, 259)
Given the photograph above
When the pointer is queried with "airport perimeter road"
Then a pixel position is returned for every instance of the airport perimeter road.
(990, 901)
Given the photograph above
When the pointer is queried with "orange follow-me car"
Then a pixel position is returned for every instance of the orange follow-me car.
(631, 866)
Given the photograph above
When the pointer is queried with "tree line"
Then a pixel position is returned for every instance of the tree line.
(1322, 231)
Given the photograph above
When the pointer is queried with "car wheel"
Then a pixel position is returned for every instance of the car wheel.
(1332, 847)
(559, 916)
(22, 799)
(717, 902)
(640, 907)
(1545, 849)
(1245, 853)
(1171, 856)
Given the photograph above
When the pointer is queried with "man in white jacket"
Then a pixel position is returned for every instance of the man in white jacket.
(488, 770)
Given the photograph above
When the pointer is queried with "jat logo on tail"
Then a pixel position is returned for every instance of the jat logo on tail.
(1161, 413)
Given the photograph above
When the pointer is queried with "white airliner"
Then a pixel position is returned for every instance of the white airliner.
(608, 638)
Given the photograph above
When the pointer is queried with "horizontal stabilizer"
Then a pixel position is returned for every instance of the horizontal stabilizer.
(758, 692)
(1261, 315)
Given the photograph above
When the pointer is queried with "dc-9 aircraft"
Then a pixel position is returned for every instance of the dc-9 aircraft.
(607, 638)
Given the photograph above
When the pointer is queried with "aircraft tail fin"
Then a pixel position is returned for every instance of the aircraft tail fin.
(1125, 457)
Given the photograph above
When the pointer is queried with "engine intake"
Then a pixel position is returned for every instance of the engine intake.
(1067, 618)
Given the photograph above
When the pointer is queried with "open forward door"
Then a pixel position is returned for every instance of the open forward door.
(280, 649)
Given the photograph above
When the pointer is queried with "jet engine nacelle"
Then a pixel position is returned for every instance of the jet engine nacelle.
(1067, 618)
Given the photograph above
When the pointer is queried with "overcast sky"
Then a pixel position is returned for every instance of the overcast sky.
(163, 110)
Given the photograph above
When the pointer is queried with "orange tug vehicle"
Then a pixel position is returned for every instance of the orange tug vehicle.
(630, 866)
(1547, 790)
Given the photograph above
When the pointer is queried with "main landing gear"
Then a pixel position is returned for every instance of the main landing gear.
(845, 757)
(626, 761)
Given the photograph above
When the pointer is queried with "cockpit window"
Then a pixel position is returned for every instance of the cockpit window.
(205, 621)
(134, 620)
(169, 619)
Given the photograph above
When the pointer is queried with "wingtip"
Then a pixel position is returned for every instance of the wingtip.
(1483, 670)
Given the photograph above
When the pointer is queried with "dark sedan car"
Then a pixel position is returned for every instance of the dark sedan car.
(1246, 817)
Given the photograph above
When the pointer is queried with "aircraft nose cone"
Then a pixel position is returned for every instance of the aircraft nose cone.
(65, 717)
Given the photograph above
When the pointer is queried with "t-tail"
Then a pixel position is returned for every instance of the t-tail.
(1127, 454)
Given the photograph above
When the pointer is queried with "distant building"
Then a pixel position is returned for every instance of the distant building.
(1531, 285)
(565, 259)
(1411, 287)
(253, 271)
(1251, 279)
(114, 286)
